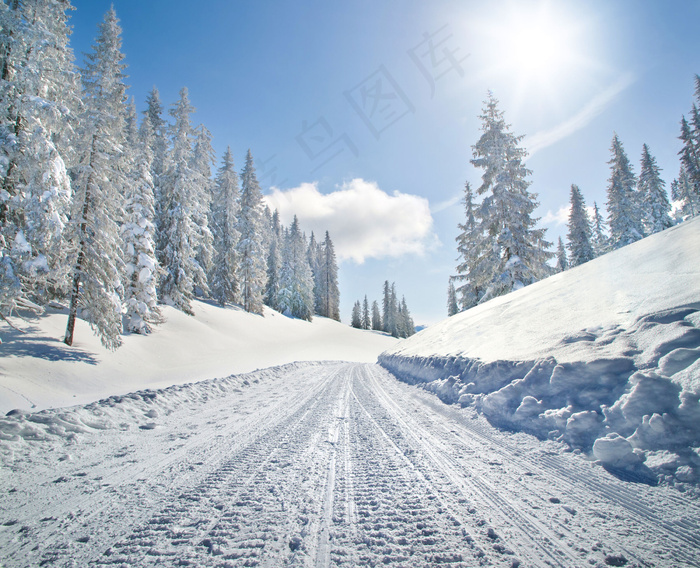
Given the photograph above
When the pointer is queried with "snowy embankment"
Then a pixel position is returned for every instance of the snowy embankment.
(605, 357)
(38, 371)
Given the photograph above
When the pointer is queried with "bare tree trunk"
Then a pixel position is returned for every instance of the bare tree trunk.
(75, 292)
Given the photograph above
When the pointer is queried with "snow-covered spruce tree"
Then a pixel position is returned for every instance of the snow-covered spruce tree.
(687, 202)
(296, 293)
(651, 187)
(562, 261)
(598, 238)
(366, 320)
(250, 248)
(624, 206)
(475, 254)
(393, 311)
(39, 100)
(138, 230)
(579, 234)
(98, 267)
(690, 136)
(329, 292)
(202, 161)
(387, 323)
(225, 207)
(274, 262)
(376, 317)
(407, 327)
(516, 255)
(181, 234)
(452, 307)
(356, 316)
(313, 256)
(160, 164)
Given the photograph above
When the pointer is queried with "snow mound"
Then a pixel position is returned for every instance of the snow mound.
(38, 371)
(20, 430)
(605, 357)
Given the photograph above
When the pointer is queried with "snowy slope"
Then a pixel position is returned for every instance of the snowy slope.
(38, 371)
(605, 356)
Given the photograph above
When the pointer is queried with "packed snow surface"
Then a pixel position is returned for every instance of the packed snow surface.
(605, 356)
(316, 465)
(37, 370)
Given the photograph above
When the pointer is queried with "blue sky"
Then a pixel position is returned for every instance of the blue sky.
(361, 114)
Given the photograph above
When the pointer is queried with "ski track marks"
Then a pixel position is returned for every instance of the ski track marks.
(334, 465)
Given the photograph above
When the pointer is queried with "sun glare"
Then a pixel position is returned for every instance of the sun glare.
(537, 48)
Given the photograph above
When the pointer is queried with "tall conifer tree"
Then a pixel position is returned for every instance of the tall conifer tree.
(624, 207)
(99, 181)
(655, 204)
(250, 249)
(579, 235)
(225, 209)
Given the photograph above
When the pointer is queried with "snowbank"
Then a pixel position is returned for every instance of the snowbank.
(38, 371)
(605, 356)
(141, 409)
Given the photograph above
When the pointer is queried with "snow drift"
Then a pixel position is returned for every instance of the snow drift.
(38, 371)
(604, 357)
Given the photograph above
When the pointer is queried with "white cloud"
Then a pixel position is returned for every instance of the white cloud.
(561, 217)
(363, 221)
(451, 202)
(593, 108)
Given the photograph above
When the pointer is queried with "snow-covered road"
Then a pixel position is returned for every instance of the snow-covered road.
(335, 464)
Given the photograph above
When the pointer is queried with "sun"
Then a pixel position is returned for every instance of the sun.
(536, 48)
(540, 48)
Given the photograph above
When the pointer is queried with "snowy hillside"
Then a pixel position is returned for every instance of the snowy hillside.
(605, 357)
(37, 370)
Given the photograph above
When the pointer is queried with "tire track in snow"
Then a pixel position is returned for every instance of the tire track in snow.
(526, 534)
(572, 478)
(194, 525)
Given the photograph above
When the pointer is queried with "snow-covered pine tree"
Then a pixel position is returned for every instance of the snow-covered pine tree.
(624, 207)
(651, 187)
(159, 166)
(476, 255)
(274, 263)
(366, 320)
(386, 307)
(356, 316)
(138, 230)
(687, 202)
(393, 311)
(296, 293)
(181, 235)
(452, 307)
(579, 236)
(225, 207)
(562, 261)
(39, 98)
(329, 292)
(598, 238)
(376, 317)
(250, 249)
(505, 212)
(98, 267)
(202, 161)
(690, 136)
(313, 256)
(407, 327)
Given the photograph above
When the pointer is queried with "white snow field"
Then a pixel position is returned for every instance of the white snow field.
(38, 371)
(317, 464)
(604, 357)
